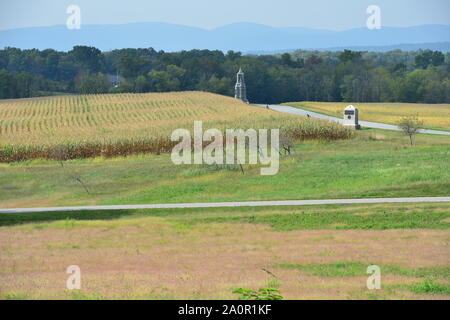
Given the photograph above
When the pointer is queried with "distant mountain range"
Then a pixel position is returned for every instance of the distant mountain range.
(439, 46)
(244, 37)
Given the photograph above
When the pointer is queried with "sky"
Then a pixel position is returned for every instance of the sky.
(208, 14)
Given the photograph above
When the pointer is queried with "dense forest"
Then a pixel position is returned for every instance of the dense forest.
(396, 76)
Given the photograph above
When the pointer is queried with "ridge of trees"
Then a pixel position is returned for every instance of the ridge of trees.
(395, 76)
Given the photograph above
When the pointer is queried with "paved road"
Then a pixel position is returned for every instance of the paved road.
(368, 124)
(230, 204)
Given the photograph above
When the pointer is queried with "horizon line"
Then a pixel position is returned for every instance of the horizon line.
(228, 24)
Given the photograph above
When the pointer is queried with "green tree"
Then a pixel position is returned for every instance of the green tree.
(215, 85)
(350, 56)
(142, 84)
(428, 57)
(169, 80)
(93, 84)
(131, 66)
(6, 85)
(87, 58)
(286, 60)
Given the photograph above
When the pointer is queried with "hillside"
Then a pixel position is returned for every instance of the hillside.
(118, 124)
(87, 117)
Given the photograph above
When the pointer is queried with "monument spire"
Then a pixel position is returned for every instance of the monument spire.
(240, 91)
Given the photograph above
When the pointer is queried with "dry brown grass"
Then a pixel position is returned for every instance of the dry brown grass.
(157, 259)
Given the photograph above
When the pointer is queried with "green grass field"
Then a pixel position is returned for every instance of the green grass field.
(374, 164)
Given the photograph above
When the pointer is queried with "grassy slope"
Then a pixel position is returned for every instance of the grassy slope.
(375, 164)
(285, 218)
(435, 116)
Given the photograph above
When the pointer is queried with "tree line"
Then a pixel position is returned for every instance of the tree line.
(395, 76)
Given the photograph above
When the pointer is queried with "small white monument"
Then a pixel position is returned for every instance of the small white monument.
(351, 117)
(240, 89)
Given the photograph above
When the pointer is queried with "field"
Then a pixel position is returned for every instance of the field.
(373, 164)
(317, 252)
(312, 252)
(434, 116)
(305, 252)
(122, 124)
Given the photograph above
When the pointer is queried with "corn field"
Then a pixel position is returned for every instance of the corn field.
(121, 124)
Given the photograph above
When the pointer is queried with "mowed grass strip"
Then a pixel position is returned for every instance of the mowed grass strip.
(343, 220)
(357, 268)
(335, 217)
(434, 116)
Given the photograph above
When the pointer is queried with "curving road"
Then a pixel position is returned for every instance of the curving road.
(367, 124)
(230, 204)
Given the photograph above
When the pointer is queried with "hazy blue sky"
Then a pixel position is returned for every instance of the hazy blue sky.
(324, 14)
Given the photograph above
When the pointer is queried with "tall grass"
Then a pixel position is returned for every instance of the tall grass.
(85, 150)
(154, 145)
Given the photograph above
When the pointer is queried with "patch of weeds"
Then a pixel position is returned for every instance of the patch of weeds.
(336, 269)
(69, 223)
(261, 294)
(421, 272)
(429, 286)
(40, 226)
(273, 283)
(434, 272)
(388, 291)
(375, 296)
(15, 296)
(340, 220)
(353, 269)
(79, 295)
